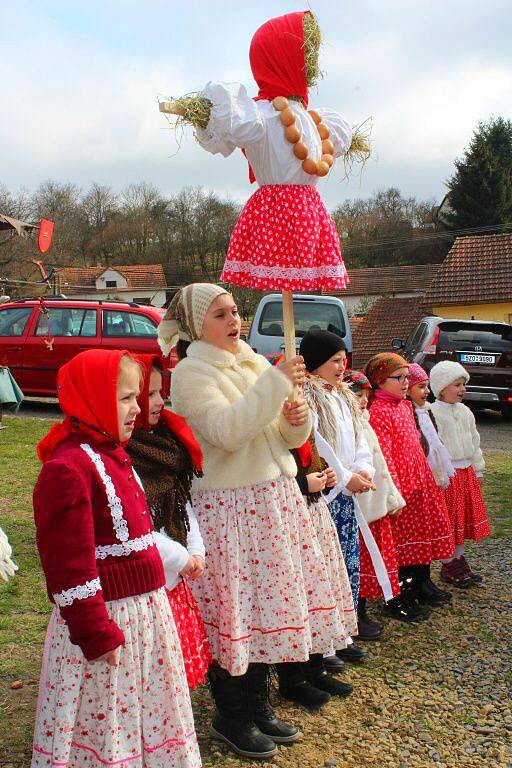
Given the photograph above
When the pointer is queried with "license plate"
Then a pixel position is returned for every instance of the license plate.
(479, 359)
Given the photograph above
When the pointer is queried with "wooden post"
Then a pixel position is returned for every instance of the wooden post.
(289, 331)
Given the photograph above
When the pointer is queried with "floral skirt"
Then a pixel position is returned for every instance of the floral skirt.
(265, 594)
(335, 564)
(192, 634)
(136, 713)
(285, 240)
(369, 585)
(466, 507)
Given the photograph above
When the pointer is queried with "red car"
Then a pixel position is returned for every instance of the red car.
(35, 339)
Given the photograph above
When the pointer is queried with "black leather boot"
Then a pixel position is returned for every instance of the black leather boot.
(423, 588)
(402, 609)
(323, 680)
(407, 578)
(294, 685)
(264, 716)
(367, 628)
(352, 654)
(233, 721)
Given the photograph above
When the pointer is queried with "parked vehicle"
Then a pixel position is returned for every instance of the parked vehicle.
(483, 347)
(326, 313)
(35, 343)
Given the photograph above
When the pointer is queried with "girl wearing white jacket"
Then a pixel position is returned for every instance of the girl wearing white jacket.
(265, 596)
(377, 505)
(464, 499)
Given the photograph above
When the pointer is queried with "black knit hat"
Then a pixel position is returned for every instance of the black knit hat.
(317, 347)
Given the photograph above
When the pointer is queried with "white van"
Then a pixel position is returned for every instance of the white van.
(312, 312)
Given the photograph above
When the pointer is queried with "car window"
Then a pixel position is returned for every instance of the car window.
(67, 321)
(13, 320)
(120, 324)
(416, 339)
(309, 315)
(494, 338)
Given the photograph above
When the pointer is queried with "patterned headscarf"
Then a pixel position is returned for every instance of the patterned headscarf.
(416, 375)
(356, 380)
(185, 315)
(380, 366)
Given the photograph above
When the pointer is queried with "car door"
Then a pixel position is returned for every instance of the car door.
(55, 338)
(133, 331)
(14, 326)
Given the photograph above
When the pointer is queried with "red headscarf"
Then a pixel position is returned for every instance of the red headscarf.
(87, 388)
(277, 57)
(175, 423)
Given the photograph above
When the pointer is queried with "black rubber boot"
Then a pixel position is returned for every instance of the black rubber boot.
(294, 686)
(264, 716)
(232, 722)
(322, 679)
(423, 588)
(367, 628)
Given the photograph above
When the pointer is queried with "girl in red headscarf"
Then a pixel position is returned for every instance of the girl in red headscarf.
(284, 238)
(166, 456)
(422, 531)
(113, 686)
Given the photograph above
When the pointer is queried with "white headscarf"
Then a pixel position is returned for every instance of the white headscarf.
(185, 315)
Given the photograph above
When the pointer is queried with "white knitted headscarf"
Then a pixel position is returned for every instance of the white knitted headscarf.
(185, 315)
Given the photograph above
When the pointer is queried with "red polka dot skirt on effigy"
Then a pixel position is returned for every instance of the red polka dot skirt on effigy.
(285, 240)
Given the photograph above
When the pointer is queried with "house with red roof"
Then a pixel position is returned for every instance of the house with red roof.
(141, 283)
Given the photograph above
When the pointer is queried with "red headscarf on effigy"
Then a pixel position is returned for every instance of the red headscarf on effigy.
(277, 60)
(174, 422)
(87, 389)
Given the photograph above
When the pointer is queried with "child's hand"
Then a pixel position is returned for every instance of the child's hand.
(331, 477)
(189, 568)
(198, 567)
(359, 484)
(296, 413)
(111, 657)
(395, 512)
(294, 369)
(366, 475)
(316, 482)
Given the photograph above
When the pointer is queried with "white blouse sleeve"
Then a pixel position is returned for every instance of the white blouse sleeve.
(174, 557)
(195, 544)
(235, 119)
(341, 131)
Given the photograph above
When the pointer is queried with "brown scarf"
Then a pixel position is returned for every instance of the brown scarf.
(166, 471)
(317, 465)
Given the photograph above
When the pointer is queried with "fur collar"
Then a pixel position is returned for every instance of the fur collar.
(221, 358)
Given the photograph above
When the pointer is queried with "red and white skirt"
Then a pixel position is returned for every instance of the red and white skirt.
(369, 585)
(197, 656)
(466, 507)
(285, 240)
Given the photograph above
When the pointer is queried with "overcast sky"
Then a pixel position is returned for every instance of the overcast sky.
(81, 78)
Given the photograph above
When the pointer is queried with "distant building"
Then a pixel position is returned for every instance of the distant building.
(141, 283)
(475, 280)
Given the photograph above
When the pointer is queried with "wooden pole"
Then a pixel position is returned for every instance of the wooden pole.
(289, 331)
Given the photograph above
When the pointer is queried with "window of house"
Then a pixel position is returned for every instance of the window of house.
(120, 324)
(111, 283)
(67, 321)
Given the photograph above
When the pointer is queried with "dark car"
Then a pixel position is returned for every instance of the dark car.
(36, 340)
(483, 347)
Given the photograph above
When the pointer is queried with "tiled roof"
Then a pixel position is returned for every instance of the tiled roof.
(477, 270)
(379, 281)
(387, 319)
(136, 276)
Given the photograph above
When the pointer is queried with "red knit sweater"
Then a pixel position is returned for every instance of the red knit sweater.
(95, 538)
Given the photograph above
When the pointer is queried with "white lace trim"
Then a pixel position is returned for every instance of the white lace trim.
(126, 548)
(114, 502)
(80, 592)
(292, 273)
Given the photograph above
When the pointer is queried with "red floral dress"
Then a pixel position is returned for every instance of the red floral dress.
(422, 532)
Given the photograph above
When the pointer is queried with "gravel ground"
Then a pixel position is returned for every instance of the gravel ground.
(438, 694)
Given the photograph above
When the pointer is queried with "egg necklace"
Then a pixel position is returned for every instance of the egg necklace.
(300, 149)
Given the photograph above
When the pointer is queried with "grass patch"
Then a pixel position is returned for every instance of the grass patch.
(498, 491)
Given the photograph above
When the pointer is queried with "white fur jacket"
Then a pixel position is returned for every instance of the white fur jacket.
(377, 504)
(233, 403)
(457, 430)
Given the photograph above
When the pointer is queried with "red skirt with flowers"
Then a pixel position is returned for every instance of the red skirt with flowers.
(285, 240)
(466, 507)
(382, 533)
(192, 634)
